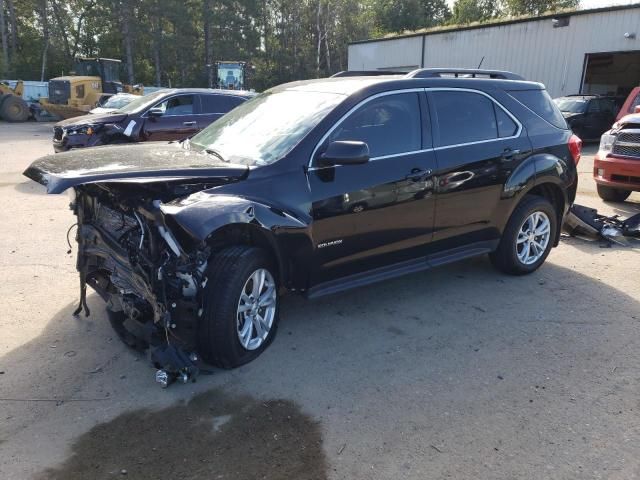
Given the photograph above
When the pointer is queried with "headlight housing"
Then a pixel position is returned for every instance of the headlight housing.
(606, 142)
(83, 130)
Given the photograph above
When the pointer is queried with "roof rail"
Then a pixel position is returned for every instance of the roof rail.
(462, 73)
(366, 73)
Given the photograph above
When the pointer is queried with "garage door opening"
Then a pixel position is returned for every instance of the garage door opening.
(613, 73)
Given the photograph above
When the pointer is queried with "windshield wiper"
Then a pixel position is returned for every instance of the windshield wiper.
(215, 153)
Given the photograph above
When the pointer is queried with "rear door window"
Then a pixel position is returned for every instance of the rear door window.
(389, 125)
(464, 117)
(219, 103)
(539, 102)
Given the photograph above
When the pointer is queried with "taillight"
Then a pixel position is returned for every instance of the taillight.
(575, 147)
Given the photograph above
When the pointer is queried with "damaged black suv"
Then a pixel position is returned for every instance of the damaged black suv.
(313, 187)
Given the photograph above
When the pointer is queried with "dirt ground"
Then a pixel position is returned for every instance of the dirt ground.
(459, 372)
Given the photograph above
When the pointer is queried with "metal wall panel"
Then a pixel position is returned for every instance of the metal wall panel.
(535, 49)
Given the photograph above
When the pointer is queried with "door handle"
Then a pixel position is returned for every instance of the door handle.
(509, 153)
(418, 174)
(189, 124)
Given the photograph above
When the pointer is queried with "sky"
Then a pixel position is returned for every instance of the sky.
(588, 4)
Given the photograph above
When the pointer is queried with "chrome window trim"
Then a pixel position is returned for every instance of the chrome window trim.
(351, 110)
(410, 90)
(471, 90)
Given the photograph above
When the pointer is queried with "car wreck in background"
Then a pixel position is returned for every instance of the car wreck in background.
(165, 115)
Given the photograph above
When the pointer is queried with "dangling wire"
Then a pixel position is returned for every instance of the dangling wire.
(68, 241)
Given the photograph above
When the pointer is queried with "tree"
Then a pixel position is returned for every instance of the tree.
(400, 15)
(538, 7)
(469, 11)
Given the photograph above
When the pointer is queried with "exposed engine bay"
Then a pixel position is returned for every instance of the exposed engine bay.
(151, 280)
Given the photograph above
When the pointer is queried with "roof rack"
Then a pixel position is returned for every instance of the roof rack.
(366, 73)
(462, 73)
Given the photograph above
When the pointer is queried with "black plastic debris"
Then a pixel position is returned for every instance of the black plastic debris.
(587, 221)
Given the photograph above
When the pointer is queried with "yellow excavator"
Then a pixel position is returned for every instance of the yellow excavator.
(91, 82)
(12, 106)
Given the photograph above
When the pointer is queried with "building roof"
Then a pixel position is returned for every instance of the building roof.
(498, 23)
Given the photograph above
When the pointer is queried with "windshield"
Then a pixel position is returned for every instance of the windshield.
(118, 102)
(264, 129)
(140, 103)
(571, 105)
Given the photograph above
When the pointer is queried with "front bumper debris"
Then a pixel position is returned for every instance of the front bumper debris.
(587, 221)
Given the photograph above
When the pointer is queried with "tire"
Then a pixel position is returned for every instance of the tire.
(220, 330)
(508, 257)
(610, 194)
(14, 109)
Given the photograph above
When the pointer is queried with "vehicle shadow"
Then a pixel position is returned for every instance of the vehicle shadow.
(30, 187)
(430, 363)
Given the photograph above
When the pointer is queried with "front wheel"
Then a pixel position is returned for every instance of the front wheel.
(528, 237)
(240, 312)
(610, 194)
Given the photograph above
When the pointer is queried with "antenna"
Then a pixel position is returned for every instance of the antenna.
(480, 64)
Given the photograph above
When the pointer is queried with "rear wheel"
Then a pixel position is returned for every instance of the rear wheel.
(528, 237)
(610, 194)
(240, 313)
(14, 109)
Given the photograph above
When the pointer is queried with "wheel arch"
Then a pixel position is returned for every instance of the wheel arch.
(225, 220)
(557, 197)
(250, 235)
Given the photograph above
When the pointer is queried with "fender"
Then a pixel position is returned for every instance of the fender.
(539, 169)
(536, 170)
(202, 215)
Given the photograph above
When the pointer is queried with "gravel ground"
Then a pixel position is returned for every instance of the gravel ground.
(459, 372)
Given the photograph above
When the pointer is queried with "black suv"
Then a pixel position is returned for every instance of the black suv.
(314, 187)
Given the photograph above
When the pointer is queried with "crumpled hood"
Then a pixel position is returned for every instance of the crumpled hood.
(146, 162)
(92, 119)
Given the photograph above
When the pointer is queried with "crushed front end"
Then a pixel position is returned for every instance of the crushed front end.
(150, 279)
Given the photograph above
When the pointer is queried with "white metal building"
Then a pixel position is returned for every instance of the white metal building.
(587, 51)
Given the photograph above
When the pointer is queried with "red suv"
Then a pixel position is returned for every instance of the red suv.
(616, 168)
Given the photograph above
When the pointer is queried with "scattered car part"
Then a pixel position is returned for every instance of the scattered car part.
(583, 220)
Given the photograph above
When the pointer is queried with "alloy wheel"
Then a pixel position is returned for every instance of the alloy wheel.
(256, 309)
(533, 238)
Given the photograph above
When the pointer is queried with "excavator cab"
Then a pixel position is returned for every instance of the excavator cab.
(107, 69)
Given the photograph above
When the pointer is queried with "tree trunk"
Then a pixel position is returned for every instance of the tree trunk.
(157, 40)
(208, 50)
(319, 34)
(13, 24)
(45, 33)
(326, 40)
(63, 33)
(3, 39)
(127, 40)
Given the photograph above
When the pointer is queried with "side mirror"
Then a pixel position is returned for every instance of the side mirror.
(637, 109)
(156, 112)
(345, 152)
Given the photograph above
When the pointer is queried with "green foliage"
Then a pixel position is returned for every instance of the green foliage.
(538, 7)
(171, 42)
(400, 15)
(469, 11)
